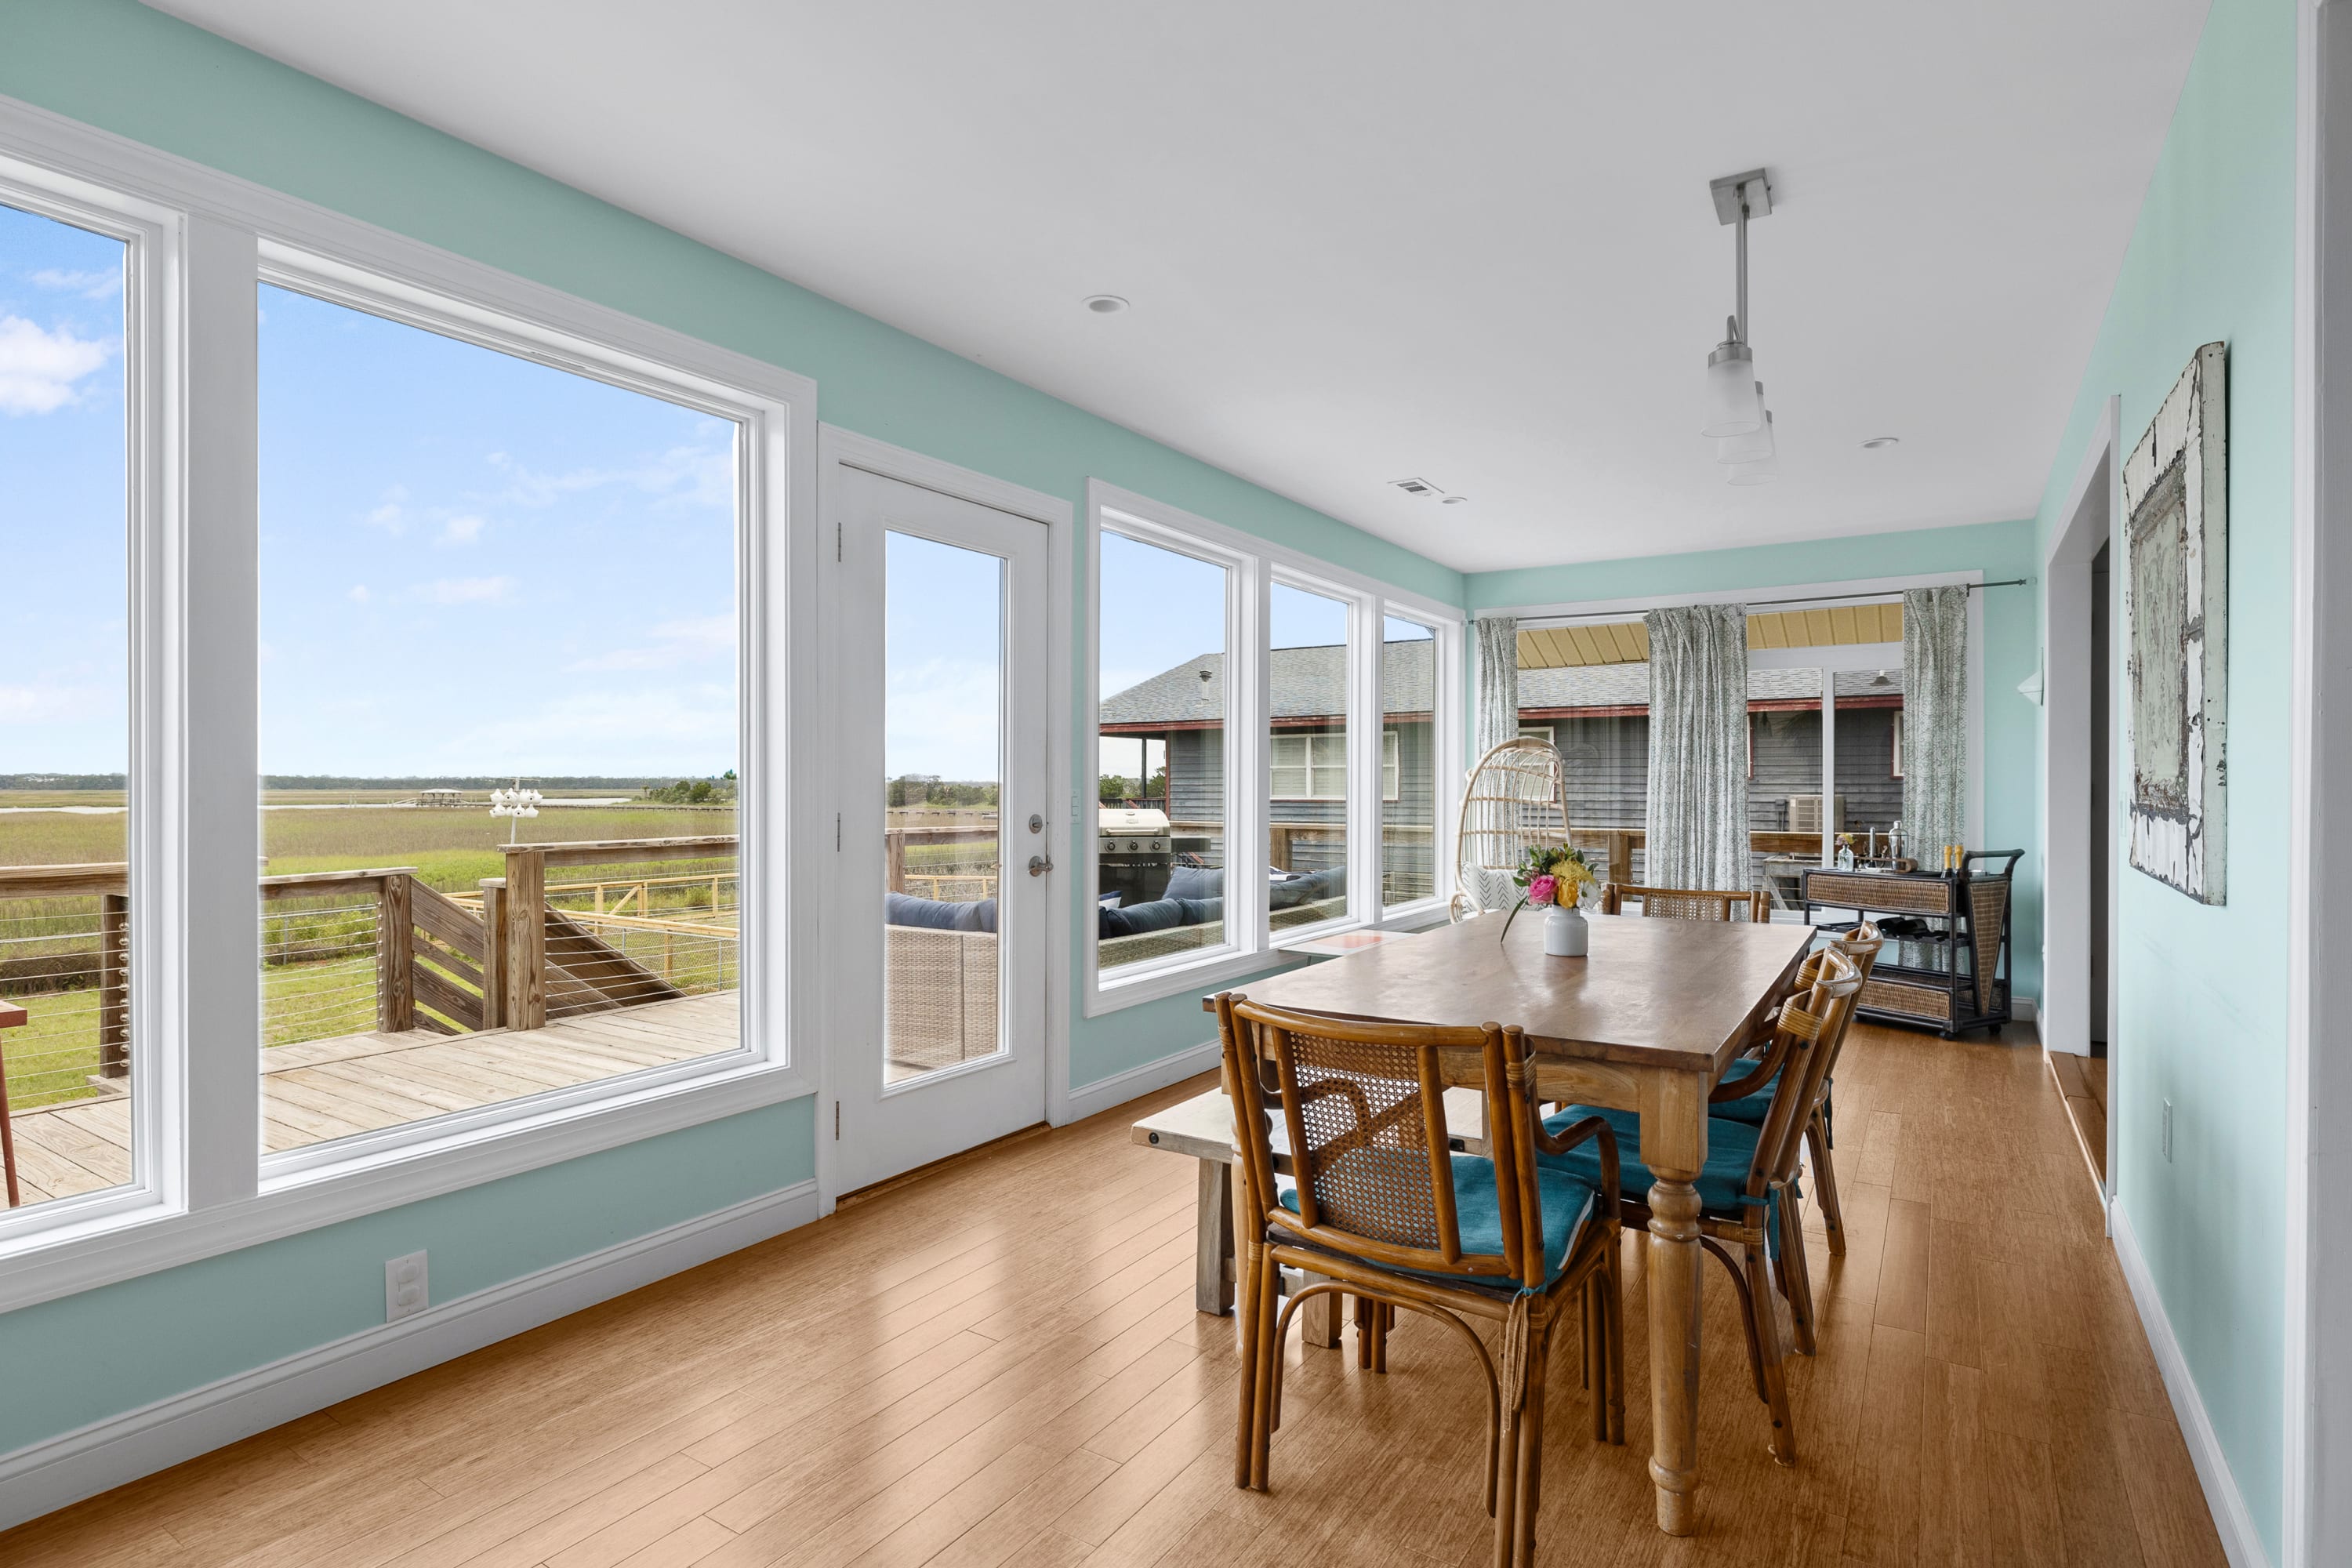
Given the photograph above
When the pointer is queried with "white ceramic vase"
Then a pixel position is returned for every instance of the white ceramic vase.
(1567, 935)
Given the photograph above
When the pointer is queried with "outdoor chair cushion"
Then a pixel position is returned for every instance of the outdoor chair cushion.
(1567, 1204)
(1196, 882)
(1135, 920)
(937, 914)
(1308, 889)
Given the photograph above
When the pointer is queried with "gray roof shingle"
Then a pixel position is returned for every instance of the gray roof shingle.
(1304, 683)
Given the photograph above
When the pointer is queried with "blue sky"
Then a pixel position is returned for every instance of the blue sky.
(64, 661)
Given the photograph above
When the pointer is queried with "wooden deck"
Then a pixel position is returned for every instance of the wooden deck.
(355, 1083)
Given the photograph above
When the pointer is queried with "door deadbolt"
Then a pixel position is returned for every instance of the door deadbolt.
(1036, 823)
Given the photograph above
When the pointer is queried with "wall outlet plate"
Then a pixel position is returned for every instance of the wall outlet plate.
(405, 1289)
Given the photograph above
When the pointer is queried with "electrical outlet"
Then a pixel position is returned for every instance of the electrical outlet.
(2168, 1131)
(405, 1288)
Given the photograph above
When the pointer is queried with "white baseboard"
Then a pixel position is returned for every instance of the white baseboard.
(47, 1476)
(2239, 1540)
(1093, 1099)
(2022, 1008)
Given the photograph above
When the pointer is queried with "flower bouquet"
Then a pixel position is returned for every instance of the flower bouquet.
(1554, 875)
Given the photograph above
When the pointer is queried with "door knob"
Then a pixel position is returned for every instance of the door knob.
(1039, 864)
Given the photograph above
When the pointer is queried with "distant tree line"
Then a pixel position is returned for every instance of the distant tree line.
(928, 789)
(715, 791)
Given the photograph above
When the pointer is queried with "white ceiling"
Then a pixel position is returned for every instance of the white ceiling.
(1378, 239)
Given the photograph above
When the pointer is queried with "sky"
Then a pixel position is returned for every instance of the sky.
(64, 531)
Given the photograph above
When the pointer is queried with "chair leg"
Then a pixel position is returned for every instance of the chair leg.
(1383, 1320)
(1249, 1305)
(1530, 1501)
(1825, 1192)
(1613, 1304)
(1748, 1310)
(1796, 1273)
(1268, 1372)
(1768, 1336)
(1594, 1341)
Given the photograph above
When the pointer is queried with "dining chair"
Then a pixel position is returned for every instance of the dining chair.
(1748, 1197)
(1375, 1204)
(1747, 1097)
(1686, 903)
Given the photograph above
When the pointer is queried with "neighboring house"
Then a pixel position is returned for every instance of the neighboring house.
(1599, 717)
(1183, 709)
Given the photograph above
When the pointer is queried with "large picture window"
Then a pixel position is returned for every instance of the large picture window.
(500, 718)
(1252, 733)
(67, 969)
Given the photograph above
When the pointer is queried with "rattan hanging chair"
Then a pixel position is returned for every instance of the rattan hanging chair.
(1517, 797)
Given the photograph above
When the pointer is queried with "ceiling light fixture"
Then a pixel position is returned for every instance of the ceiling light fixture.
(1880, 443)
(1105, 304)
(1735, 416)
(1453, 500)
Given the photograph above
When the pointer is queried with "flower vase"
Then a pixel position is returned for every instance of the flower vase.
(1567, 935)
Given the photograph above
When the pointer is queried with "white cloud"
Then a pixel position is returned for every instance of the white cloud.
(468, 590)
(390, 515)
(359, 595)
(48, 701)
(690, 476)
(104, 284)
(39, 368)
(674, 643)
(462, 530)
(942, 718)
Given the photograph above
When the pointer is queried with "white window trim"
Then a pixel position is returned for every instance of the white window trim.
(203, 1190)
(1255, 564)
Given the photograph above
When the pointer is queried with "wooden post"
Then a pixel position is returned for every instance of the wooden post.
(896, 841)
(396, 954)
(526, 903)
(113, 985)
(494, 953)
(1620, 858)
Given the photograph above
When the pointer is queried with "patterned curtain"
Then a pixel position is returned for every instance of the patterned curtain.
(1498, 682)
(1935, 721)
(1699, 747)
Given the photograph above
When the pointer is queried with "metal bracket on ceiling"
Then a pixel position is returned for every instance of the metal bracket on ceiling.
(1754, 184)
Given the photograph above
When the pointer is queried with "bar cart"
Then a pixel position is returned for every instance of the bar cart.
(1947, 961)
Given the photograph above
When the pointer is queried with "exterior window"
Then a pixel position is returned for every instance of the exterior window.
(1598, 717)
(499, 630)
(1307, 835)
(1408, 794)
(1161, 827)
(1390, 767)
(1898, 747)
(67, 973)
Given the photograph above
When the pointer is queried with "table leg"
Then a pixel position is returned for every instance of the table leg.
(1212, 1267)
(1674, 1348)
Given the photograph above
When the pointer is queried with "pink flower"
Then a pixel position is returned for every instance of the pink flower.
(1542, 890)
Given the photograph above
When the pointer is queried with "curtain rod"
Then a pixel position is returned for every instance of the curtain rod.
(1827, 598)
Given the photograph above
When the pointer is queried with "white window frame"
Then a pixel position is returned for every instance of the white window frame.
(203, 1187)
(1336, 740)
(1391, 765)
(1255, 565)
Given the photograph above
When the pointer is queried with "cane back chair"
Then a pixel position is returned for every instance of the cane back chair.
(1747, 1095)
(1372, 1200)
(1747, 1197)
(1685, 903)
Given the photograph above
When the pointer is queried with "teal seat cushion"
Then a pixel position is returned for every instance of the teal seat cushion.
(1567, 1199)
(1730, 1150)
(1749, 1108)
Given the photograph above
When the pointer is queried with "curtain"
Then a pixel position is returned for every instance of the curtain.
(1498, 682)
(1935, 721)
(1697, 823)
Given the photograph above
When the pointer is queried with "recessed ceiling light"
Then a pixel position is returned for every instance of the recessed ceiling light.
(1455, 500)
(1880, 443)
(1105, 304)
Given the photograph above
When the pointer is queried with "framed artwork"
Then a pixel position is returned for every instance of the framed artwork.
(2177, 603)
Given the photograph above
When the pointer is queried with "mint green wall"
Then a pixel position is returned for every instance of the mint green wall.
(83, 1358)
(2012, 729)
(124, 68)
(2201, 1019)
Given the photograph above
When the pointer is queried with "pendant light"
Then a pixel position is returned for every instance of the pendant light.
(1756, 471)
(1735, 416)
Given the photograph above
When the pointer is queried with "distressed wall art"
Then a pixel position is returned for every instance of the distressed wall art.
(2177, 603)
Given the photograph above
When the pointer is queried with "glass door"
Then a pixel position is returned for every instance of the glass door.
(937, 960)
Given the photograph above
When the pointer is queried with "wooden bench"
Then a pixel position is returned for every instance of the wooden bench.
(1202, 1127)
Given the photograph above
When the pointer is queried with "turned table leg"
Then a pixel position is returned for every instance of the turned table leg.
(1674, 1145)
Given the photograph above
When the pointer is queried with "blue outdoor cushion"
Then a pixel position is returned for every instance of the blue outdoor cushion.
(1730, 1150)
(1200, 911)
(1567, 1203)
(1159, 914)
(1196, 882)
(1749, 1107)
(937, 914)
(1308, 889)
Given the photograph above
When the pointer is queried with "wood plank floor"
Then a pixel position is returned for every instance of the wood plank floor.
(355, 1083)
(1001, 1364)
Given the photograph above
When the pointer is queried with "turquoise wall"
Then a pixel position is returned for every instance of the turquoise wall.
(2012, 729)
(2202, 1015)
(124, 68)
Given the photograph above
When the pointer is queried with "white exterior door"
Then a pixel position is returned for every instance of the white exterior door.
(935, 932)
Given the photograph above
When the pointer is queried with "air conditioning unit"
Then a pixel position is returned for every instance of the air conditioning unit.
(1805, 814)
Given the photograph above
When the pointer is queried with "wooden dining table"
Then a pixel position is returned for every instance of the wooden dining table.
(1647, 1022)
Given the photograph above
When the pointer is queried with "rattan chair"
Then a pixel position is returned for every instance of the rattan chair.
(1747, 1095)
(1747, 1194)
(1517, 798)
(1686, 903)
(1376, 1203)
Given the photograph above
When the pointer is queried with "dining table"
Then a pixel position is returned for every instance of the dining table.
(1647, 1021)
